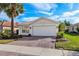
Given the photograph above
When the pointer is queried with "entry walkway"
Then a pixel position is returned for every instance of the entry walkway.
(37, 51)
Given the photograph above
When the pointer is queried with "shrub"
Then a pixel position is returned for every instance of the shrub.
(7, 31)
(61, 27)
(16, 36)
(60, 34)
(5, 34)
(19, 36)
(8, 36)
(66, 30)
(78, 29)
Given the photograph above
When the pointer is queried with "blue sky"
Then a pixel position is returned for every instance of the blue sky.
(54, 11)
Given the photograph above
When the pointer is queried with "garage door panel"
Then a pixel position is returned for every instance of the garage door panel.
(44, 31)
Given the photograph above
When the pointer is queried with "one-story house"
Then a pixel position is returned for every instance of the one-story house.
(73, 28)
(7, 26)
(39, 27)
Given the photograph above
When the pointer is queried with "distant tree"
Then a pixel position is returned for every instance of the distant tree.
(67, 23)
(61, 27)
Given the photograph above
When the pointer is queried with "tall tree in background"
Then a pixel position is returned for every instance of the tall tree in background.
(12, 10)
(67, 23)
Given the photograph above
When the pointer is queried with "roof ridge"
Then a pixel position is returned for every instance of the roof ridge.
(31, 22)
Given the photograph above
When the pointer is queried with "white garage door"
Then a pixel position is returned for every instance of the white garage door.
(44, 31)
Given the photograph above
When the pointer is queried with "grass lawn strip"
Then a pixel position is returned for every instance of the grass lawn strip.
(5, 41)
(72, 44)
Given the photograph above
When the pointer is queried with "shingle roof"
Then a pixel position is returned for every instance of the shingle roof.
(8, 24)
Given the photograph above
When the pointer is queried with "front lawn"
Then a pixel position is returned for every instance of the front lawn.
(71, 44)
(5, 41)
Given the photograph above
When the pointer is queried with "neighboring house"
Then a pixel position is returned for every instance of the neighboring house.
(7, 26)
(39, 27)
(73, 28)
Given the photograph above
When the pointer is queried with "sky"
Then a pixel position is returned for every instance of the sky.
(53, 11)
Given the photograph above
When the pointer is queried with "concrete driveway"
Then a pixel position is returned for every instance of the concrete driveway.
(45, 42)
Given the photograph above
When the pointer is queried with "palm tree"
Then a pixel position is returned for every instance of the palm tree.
(12, 10)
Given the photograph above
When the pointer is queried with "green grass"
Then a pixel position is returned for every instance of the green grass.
(71, 44)
(5, 41)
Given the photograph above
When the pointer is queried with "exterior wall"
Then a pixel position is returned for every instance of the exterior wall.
(20, 30)
(73, 28)
(70, 29)
(6, 28)
(9, 28)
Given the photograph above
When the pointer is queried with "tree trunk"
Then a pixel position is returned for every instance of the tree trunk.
(1, 28)
(12, 26)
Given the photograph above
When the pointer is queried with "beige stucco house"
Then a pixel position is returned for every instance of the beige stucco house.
(39, 27)
(73, 27)
(7, 26)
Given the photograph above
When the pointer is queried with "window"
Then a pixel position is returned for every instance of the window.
(27, 31)
(23, 31)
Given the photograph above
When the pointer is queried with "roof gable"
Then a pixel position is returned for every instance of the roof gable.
(41, 20)
(44, 20)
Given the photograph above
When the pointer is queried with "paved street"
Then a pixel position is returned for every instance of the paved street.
(5, 53)
(9, 50)
(37, 51)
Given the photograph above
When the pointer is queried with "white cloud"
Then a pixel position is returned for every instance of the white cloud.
(76, 20)
(66, 14)
(72, 13)
(44, 6)
(27, 19)
(47, 13)
(71, 19)
(54, 17)
(3, 16)
(70, 16)
(76, 12)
